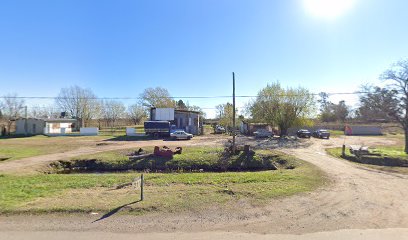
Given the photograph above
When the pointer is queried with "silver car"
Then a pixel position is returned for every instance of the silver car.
(263, 133)
(176, 135)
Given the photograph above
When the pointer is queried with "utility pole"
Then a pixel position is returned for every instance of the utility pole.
(233, 113)
(141, 187)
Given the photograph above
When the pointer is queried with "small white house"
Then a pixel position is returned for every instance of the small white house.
(34, 126)
(58, 125)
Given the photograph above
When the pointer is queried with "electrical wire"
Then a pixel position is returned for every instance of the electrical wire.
(177, 97)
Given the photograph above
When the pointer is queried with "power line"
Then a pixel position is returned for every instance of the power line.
(61, 109)
(177, 97)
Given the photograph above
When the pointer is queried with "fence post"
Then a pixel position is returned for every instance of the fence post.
(141, 187)
(343, 151)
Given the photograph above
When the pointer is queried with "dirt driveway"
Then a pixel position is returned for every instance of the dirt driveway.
(356, 198)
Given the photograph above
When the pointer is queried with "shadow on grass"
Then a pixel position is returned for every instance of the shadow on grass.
(17, 136)
(174, 140)
(130, 138)
(115, 210)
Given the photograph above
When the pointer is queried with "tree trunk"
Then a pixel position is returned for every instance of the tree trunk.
(406, 140)
(283, 131)
(9, 127)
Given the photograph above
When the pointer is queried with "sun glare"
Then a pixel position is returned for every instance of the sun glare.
(329, 9)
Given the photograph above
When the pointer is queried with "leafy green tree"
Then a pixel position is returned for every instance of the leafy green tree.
(281, 107)
(225, 114)
(375, 102)
(331, 112)
(181, 105)
(341, 111)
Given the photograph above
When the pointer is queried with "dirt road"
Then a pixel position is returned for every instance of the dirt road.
(377, 234)
(357, 198)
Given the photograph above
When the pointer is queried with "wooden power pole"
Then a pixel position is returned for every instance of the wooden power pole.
(233, 113)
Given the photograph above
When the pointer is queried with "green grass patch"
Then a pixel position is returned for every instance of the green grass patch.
(336, 133)
(17, 152)
(391, 152)
(211, 159)
(172, 192)
(387, 158)
(16, 190)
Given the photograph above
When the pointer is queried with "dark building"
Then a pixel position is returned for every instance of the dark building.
(189, 121)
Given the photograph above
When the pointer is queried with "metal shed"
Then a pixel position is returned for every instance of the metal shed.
(362, 130)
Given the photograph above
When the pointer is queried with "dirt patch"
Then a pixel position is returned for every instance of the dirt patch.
(274, 143)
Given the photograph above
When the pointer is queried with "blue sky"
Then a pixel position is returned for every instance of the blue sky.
(119, 48)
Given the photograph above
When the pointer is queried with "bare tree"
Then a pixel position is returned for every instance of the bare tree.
(157, 97)
(136, 113)
(99, 113)
(11, 108)
(37, 111)
(281, 107)
(397, 76)
(79, 103)
(112, 111)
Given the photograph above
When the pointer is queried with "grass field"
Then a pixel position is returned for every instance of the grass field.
(164, 192)
(192, 159)
(384, 152)
(336, 133)
(171, 192)
(21, 147)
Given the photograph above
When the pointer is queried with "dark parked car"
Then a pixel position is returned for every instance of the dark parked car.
(303, 133)
(321, 133)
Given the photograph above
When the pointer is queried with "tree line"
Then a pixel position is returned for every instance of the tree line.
(84, 105)
(274, 104)
(296, 107)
